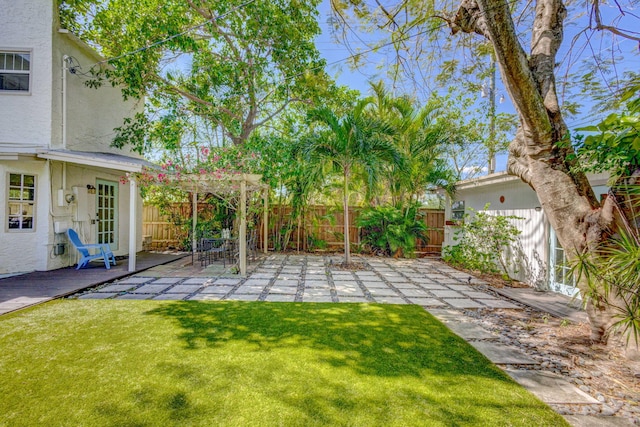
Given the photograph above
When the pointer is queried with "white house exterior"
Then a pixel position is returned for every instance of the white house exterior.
(537, 259)
(57, 168)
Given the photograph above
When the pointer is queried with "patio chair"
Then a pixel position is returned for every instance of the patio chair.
(102, 251)
(212, 249)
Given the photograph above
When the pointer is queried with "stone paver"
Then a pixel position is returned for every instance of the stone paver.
(167, 280)
(383, 292)
(427, 302)
(463, 303)
(240, 297)
(115, 288)
(217, 290)
(280, 298)
(414, 292)
(98, 295)
(174, 296)
(203, 297)
(501, 354)
(446, 293)
(469, 331)
(383, 299)
(478, 295)
(196, 281)
(498, 303)
(316, 298)
(227, 281)
(550, 388)
(134, 280)
(184, 289)
(151, 289)
(352, 299)
(134, 296)
(249, 289)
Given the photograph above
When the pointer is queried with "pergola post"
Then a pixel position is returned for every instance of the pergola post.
(194, 205)
(243, 226)
(133, 222)
(265, 221)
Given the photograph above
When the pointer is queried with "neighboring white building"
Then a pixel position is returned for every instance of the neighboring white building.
(538, 259)
(57, 168)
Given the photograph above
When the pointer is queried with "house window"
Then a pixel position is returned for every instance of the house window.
(22, 198)
(457, 210)
(15, 71)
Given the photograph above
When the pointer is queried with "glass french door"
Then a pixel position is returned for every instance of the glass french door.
(560, 277)
(107, 212)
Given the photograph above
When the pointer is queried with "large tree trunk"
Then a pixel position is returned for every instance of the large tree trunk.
(539, 152)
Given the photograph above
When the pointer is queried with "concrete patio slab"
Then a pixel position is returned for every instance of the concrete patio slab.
(216, 290)
(375, 285)
(590, 421)
(317, 292)
(283, 290)
(227, 281)
(349, 291)
(196, 281)
(427, 302)
(184, 289)
(267, 276)
(166, 280)
(550, 388)
(383, 292)
(383, 299)
(316, 298)
(415, 293)
(478, 295)
(134, 280)
(134, 296)
(432, 286)
(150, 289)
(256, 282)
(246, 289)
(501, 354)
(242, 297)
(115, 288)
(316, 284)
(470, 331)
(446, 293)
(286, 282)
(202, 297)
(463, 303)
(280, 298)
(171, 297)
(98, 295)
(405, 285)
(352, 299)
(498, 303)
(446, 314)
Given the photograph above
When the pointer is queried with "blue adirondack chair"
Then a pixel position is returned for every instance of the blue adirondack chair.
(102, 251)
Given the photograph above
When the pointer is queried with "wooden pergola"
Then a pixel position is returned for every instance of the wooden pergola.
(225, 184)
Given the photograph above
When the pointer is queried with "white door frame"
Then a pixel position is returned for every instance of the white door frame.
(110, 205)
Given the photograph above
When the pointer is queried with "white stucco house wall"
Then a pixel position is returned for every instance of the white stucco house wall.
(537, 259)
(57, 169)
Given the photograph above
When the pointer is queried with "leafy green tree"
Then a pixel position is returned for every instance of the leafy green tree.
(235, 64)
(354, 140)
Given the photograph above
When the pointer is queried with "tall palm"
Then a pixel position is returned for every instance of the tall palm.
(354, 140)
(421, 135)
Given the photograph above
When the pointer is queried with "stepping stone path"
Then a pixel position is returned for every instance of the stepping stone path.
(443, 291)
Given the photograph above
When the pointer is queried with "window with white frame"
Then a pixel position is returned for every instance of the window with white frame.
(15, 71)
(22, 200)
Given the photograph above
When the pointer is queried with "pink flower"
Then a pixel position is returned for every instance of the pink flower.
(205, 151)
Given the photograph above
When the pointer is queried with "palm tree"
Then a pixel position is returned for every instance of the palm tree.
(421, 135)
(355, 140)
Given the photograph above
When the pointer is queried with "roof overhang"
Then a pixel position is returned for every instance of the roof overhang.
(101, 160)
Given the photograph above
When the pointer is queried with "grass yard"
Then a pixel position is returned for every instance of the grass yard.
(162, 363)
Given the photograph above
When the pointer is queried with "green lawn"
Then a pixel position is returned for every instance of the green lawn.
(148, 363)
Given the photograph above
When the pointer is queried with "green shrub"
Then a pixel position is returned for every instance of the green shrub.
(482, 240)
(392, 231)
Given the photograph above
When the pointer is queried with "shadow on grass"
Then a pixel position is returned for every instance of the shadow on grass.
(381, 340)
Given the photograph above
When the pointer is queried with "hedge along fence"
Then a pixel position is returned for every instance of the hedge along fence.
(320, 229)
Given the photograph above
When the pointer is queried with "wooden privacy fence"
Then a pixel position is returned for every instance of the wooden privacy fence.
(321, 228)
